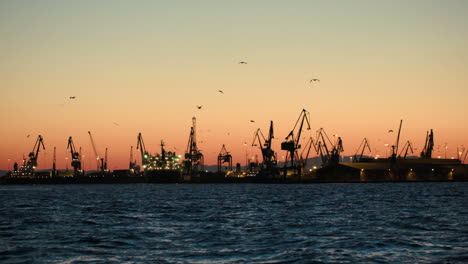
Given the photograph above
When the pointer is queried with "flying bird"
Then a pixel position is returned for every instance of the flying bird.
(28, 136)
(115, 123)
(220, 91)
(199, 106)
(72, 97)
(252, 121)
(390, 131)
(242, 62)
(314, 80)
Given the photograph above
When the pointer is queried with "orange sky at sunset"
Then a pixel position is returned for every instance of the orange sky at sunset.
(143, 66)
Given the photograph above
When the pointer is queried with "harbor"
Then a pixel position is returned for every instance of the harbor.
(170, 167)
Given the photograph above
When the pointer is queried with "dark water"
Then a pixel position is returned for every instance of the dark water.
(235, 223)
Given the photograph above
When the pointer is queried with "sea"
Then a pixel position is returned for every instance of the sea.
(235, 223)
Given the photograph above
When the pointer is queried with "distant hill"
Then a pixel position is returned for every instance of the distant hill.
(2, 173)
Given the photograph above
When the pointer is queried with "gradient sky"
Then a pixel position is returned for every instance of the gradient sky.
(145, 65)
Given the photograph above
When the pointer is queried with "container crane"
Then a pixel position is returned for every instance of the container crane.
(426, 153)
(224, 157)
(291, 145)
(76, 158)
(362, 146)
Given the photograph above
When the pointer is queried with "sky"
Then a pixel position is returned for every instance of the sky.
(143, 66)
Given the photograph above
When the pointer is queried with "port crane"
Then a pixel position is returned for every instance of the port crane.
(224, 157)
(76, 157)
(330, 155)
(29, 167)
(406, 148)
(268, 155)
(101, 163)
(395, 147)
(145, 156)
(291, 145)
(362, 147)
(194, 160)
(426, 153)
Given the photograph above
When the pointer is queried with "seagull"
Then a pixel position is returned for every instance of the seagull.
(72, 97)
(390, 131)
(314, 80)
(252, 121)
(199, 106)
(220, 91)
(28, 136)
(242, 62)
(115, 123)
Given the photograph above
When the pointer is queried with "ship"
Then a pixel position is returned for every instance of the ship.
(160, 168)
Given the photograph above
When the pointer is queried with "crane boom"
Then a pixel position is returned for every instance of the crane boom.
(364, 144)
(395, 147)
(98, 160)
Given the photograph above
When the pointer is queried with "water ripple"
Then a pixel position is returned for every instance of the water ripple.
(243, 223)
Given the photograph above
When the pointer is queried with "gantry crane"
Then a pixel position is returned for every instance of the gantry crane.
(362, 147)
(426, 153)
(269, 163)
(194, 160)
(76, 157)
(291, 145)
(224, 157)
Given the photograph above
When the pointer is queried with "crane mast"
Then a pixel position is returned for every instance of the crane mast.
(105, 161)
(54, 160)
